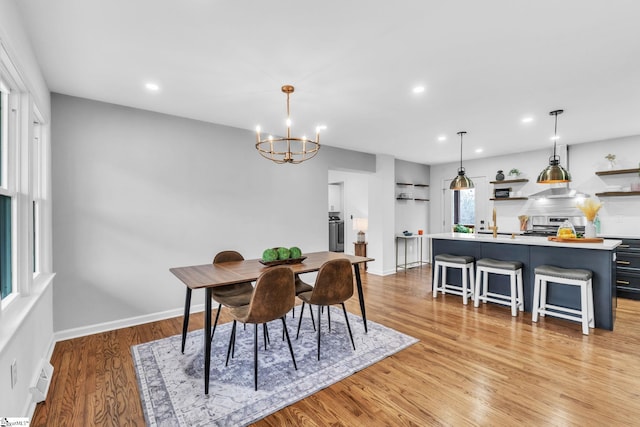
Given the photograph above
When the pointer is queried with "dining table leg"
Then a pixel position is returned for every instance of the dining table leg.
(206, 337)
(185, 320)
(356, 269)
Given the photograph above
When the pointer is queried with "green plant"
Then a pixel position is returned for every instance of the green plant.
(269, 255)
(515, 172)
(295, 252)
(283, 253)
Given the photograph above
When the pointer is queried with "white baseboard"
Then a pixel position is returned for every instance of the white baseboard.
(123, 323)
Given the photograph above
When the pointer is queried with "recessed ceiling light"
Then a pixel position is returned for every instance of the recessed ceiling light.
(442, 138)
(479, 150)
(418, 89)
(527, 119)
(152, 87)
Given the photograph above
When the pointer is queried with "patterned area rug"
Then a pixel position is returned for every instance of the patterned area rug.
(172, 384)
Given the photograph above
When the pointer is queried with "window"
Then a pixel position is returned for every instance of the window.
(6, 282)
(36, 194)
(5, 246)
(464, 207)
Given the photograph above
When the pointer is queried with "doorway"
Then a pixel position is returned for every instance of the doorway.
(465, 207)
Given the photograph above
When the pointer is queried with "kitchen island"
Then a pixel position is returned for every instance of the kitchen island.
(535, 251)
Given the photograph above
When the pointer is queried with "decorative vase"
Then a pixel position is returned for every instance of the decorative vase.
(500, 176)
(589, 230)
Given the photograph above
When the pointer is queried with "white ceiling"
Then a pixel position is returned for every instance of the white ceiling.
(485, 65)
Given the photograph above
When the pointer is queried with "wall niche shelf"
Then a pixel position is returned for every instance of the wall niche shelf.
(509, 181)
(618, 172)
(408, 184)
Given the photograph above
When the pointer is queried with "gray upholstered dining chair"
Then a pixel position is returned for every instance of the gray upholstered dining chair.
(273, 296)
(334, 285)
(231, 296)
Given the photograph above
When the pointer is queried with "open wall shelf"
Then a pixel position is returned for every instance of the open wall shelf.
(618, 193)
(618, 172)
(509, 181)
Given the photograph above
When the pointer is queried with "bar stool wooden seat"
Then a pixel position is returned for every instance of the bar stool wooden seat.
(564, 276)
(462, 262)
(513, 269)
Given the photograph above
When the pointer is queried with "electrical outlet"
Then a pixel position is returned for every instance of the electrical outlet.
(14, 373)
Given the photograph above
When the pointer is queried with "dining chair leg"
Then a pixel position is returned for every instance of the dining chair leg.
(265, 334)
(286, 332)
(313, 321)
(300, 319)
(346, 318)
(231, 342)
(216, 322)
(329, 317)
(319, 328)
(255, 356)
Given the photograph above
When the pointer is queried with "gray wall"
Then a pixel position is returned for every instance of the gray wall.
(136, 193)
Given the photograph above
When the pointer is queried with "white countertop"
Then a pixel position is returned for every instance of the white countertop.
(607, 244)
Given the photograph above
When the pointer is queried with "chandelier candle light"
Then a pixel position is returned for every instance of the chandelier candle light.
(288, 149)
(590, 209)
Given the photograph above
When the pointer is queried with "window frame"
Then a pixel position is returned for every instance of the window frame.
(8, 147)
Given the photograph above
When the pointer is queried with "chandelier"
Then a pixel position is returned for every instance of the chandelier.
(288, 149)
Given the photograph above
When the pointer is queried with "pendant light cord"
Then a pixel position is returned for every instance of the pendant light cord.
(555, 135)
(461, 151)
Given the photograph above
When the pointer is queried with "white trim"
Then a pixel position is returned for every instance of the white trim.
(123, 323)
(14, 315)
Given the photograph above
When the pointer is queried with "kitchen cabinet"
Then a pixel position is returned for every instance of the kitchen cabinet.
(518, 181)
(335, 198)
(628, 269)
(618, 193)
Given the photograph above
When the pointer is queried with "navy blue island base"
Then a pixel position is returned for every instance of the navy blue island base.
(535, 251)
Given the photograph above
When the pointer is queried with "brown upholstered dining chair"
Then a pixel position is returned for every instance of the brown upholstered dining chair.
(334, 285)
(235, 295)
(273, 296)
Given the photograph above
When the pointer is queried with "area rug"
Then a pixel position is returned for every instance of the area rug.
(172, 384)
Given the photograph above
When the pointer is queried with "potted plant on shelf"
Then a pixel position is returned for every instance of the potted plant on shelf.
(515, 173)
(612, 160)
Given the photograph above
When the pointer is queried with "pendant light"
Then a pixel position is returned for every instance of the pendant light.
(554, 173)
(461, 182)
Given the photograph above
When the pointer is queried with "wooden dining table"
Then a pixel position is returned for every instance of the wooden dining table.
(209, 276)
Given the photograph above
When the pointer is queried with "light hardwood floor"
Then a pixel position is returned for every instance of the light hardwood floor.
(471, 367)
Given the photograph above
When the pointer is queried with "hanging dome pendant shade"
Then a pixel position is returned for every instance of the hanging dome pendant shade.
(461, 182)
(554, 173)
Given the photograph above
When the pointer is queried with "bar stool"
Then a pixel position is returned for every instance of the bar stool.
(513, 269)
(565, 276)
(465, 264)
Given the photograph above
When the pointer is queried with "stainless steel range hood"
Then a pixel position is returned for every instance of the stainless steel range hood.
(560, 192)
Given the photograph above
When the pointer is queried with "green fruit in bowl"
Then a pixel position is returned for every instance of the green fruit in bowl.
(269, 255)
(283, 253)
(295, 252)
